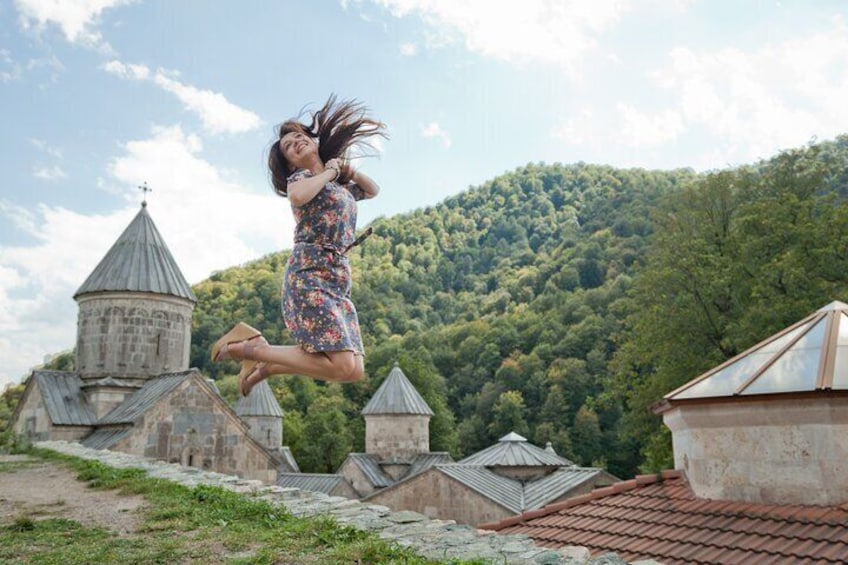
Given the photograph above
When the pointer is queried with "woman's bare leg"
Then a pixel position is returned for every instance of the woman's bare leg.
(263, 370)
(335, 366)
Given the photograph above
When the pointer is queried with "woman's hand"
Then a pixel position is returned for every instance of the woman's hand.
(335, 165)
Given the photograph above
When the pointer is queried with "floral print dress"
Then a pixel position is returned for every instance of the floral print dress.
(316, 292)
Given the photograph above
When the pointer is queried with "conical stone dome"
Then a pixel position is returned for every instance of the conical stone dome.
(396, 396)
(139, 261)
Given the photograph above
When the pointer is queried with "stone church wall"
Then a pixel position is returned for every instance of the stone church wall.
(132, 335)
(438, 496)
(194, 428)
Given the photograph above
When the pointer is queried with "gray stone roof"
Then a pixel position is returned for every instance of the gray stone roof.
(519, 497)
(64, 399)
(424, 461)
(105, 438)
(315, 482)
(396, 396)
(542, 491)
(260, 402)
(502, 490)
(138, 402)
(109, 382)
(139, 261)
(288, 464)
(512, 450)
(370, 467)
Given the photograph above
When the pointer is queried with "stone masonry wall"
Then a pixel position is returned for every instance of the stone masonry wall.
(132, 335)
(779, 451)
(435, 539)
(397, 436)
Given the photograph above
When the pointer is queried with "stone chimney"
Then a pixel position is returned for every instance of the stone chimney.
(769, 425)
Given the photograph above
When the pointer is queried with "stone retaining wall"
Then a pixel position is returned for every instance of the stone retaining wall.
(435, 539)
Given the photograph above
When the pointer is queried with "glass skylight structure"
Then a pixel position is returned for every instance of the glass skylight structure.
(807, 356)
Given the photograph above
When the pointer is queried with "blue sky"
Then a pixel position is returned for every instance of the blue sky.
(99, 96)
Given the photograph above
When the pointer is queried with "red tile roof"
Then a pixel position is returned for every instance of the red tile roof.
(658, 517)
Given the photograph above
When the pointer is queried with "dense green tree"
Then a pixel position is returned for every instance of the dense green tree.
(328, 438)
(586, 437)
(738, 255)
(508, 415)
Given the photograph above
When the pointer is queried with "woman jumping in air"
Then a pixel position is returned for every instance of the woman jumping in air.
(308, 166)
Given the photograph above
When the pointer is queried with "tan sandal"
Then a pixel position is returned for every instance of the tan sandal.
(248, 370)
(240, 332)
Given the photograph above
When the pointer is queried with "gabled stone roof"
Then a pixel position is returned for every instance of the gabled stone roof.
(314, 482)
(370, 467)
(141, 400)
(514, 495)
(513, 450)
(64, 399)
(106, 438)
(396, 396)
(139, 261)
(811, 355)
(260, 402)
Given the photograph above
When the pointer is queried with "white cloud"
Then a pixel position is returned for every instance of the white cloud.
(746, 105)
(9, 69)
(434, 130)
(217, 113)
(778, 96)
(46, 147)
(78, 19)
(554, 32)
(408, 49)
(208, 220)
(49, 173)
(127, 71)
(638, 129)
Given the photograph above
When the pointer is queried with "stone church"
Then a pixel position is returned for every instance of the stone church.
(132, 390)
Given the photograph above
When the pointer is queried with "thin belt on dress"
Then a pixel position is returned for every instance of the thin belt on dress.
(343, 251)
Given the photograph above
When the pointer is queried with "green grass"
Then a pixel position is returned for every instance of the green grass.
(191, 525)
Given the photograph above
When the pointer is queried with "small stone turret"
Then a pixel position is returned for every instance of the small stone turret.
(135, 310)
(261, 411)
(397, 420)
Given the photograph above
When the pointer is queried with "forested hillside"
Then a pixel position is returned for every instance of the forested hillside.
(501, 303)
(560, 302)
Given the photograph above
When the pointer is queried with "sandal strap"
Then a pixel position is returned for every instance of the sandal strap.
(249, 349)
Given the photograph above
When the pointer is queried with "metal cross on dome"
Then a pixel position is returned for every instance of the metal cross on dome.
(145, 189)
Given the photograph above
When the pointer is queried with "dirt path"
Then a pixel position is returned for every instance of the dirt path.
(44, 489)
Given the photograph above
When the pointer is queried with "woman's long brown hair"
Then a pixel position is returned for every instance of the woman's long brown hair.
(336, 126)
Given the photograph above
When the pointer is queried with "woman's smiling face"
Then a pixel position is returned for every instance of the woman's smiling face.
(298, 149)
